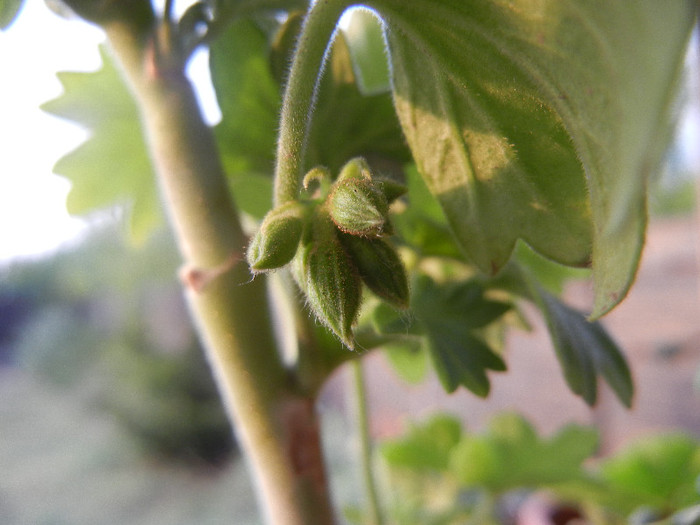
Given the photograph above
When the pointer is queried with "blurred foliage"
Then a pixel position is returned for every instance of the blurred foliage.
(109, 321)
(440, 473)
(112, 166)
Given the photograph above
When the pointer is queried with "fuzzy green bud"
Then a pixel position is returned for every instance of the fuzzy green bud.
(276, 242)
(379, 267)
(357, 169)
(328, 277)
(358, 207)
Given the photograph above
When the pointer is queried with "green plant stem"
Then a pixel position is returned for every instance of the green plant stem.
(299, 97)
(275, 424)
(374, 511)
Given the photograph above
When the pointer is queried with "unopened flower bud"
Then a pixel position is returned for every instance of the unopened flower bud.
(356, 168)
(379, 267)
(328, 277)
(358, 207)
(276, 242)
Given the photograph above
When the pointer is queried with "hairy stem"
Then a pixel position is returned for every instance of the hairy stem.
(299, 97)
(275, 424)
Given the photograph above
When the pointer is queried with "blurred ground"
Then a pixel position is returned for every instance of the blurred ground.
(656, 326)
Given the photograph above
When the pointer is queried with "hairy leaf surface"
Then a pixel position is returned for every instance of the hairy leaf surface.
(539, 120)
(112, 166)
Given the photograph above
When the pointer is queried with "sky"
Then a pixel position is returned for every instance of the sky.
(33, 218)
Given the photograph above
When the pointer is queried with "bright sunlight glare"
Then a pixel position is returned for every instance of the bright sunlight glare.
(33, 217)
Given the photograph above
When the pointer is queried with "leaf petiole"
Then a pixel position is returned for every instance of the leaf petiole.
(316, 36)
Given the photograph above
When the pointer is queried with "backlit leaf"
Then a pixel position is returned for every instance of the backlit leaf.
(112, 166)
(9, 9)
(540, 120)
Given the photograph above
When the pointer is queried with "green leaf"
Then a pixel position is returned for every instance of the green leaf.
(348, 124)
(365, 40)
(540, 121)
(9, 9)
(584, 350)
(426, 447)
(422, 223)
(112, 166)
(249, 99)
(551, 275)
(659, 472)
(511, 455)
(449, 315)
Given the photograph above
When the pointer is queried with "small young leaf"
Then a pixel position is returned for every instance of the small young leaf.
(408, 359)
(460, 359)
(449, 315)
(585, 350)
(510, 455)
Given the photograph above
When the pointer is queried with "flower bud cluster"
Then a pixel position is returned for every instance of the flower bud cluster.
(336, 243)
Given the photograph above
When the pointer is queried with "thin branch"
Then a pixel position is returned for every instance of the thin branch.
(299, 97)
(374, 509)
(168, 10)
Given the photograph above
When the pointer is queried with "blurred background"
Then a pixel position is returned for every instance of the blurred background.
(108, 413)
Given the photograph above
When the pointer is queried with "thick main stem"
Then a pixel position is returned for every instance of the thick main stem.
(275, 425)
